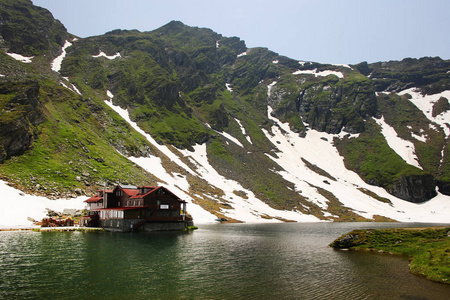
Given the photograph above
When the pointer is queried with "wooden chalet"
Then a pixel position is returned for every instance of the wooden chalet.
(136, 208)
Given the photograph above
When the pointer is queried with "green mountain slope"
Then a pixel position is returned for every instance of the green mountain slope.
(188, 86)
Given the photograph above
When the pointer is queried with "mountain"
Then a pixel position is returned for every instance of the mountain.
(241, 133)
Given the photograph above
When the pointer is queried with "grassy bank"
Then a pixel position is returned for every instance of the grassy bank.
(427, 248)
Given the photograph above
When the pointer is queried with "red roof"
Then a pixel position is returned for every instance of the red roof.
(140, 196)
(131, 192)
(94, 199)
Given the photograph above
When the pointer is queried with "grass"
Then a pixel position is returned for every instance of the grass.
(370, 156)
(76, 138)
(427, 248)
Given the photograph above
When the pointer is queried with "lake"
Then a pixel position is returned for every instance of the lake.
(217, 261)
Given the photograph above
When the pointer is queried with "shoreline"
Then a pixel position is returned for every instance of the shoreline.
(425, 247)
(48, 229)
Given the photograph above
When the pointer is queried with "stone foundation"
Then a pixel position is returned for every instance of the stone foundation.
(126, 225)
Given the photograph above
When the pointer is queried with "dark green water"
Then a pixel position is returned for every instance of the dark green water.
(277, 261)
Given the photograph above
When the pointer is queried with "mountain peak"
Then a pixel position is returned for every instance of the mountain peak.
(172, 26)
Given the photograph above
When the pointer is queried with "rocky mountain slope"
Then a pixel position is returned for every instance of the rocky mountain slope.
(245, 134)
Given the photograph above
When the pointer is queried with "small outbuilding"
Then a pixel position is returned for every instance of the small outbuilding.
(137, 208)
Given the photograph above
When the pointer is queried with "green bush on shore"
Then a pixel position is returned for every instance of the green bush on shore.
(428, 248)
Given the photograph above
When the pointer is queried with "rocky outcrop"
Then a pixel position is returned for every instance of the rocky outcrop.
(347, 241)
(427, 73)
(414, 188)
(36, 33)
(332, 106)
(19, 118)
(444, 187)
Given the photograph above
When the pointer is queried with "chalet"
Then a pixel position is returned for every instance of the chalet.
(137, 208)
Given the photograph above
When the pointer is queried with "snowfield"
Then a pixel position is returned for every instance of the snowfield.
(425, 104)
(110, 57)
(17, 207)
(270, 87)
(317, 148)
(21, 58)
(319, 74)
(402, 147)
(56, 63)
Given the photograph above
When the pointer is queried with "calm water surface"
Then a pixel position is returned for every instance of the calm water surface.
(220, 261)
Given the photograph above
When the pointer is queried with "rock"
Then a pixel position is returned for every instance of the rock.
(78, 178)
(414, 188)
(21, 115)
(346, 241)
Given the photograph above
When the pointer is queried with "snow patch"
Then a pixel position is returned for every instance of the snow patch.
(242, 54)
(73, 88)
(231, 138)
(164, 149)
(321, 73)
(249, 210)
(405, 149)
(17, 206)
(425, 104)
(422, 138)
(343, 65)
(21, 58)
(243, 131)
(270, 87)
(103, 54)
(56, 63)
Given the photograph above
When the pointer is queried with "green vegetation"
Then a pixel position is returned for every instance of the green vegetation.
(428, 248)
(173, 83)
(370, 156)
(33, 32)
(76, 147)
(189, 228)
(405, 117)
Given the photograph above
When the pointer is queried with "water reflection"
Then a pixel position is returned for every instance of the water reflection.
(241, 261)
